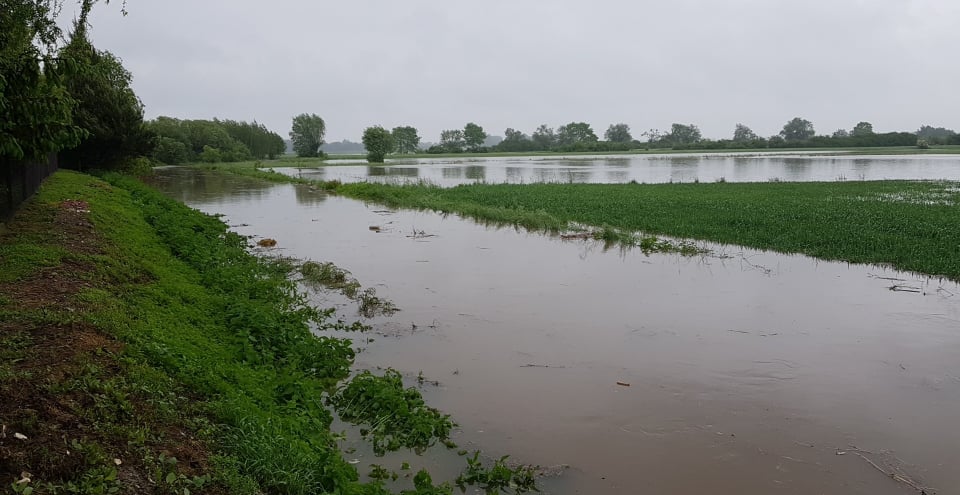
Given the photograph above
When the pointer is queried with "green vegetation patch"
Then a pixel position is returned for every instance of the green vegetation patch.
(498, 477)
(333, 277)
(883, 222)
(395, 416)
(330, 276)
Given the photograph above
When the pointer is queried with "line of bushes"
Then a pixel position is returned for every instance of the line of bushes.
(212, 141)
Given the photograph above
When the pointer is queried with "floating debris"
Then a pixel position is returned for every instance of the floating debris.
(267, 242)
(579, 235)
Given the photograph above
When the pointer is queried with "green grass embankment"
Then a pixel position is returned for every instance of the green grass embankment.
(912, 226)
(133, 326)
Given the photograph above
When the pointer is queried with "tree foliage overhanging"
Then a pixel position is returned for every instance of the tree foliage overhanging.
(74, 99)
(36, 111)
(106, 106)
(67, 98)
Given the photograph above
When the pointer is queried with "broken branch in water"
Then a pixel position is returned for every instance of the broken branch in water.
(904, 288)
(895, 476)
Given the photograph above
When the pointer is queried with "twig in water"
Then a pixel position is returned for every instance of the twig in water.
(761, 268)
(420, 234)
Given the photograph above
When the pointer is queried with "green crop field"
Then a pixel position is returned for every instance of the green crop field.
(910, 225)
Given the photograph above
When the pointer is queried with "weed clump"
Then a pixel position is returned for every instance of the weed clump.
(394, 416)
(332, 277)
(497, 477)
(370, 305)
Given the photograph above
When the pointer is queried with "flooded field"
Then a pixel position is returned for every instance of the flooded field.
(739, 372)
(642, 168)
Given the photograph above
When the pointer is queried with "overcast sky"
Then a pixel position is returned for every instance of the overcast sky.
(512, 63)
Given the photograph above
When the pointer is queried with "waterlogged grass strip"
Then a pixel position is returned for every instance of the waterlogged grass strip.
(827, 220)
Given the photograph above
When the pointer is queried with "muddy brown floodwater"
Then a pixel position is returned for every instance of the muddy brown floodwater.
(749, 372)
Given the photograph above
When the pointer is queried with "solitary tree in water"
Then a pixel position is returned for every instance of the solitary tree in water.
(307, 134)
(378, 142)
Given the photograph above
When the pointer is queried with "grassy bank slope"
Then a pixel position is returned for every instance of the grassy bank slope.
(143, 350)
(909, 225)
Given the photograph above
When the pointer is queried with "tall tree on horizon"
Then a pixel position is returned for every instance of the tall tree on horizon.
(406, 138)
(307, 135)
(618, 133)
(474, 136)
(797, 129)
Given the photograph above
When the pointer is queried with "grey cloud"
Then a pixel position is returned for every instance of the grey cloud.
(436, 65)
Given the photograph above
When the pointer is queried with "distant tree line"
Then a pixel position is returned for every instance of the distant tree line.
(580, 137)
(212, 141)
(345, 147)
(797, 133)
(575, 136)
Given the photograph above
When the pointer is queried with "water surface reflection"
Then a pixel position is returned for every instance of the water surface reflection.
(648, 168)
